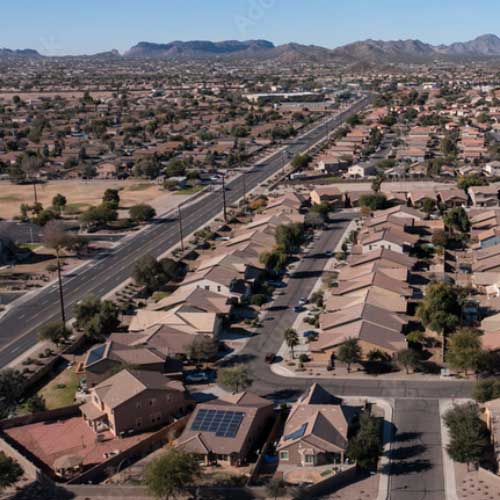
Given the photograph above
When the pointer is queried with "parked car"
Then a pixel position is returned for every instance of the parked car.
(310, 334)
(298, 308)
(303, 301)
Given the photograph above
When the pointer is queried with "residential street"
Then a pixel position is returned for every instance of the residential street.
(18, 328)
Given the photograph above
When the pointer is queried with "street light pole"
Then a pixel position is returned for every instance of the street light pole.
(180, 227)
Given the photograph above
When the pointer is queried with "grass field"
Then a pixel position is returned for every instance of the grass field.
(79, 194)
(61, 390)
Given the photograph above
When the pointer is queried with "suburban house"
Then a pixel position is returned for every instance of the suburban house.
(227, 429)
(134, 401)
(492, 417)
(103, 360)
(361, 170)
(489, 237)
(317, 430)
(384, 256)
(390, 238)
(483, 196)
(492, 169)
(330, 195)
(452, 198)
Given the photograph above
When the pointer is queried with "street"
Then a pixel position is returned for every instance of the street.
(18, 328)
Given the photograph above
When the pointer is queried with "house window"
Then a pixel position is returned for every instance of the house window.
(218, 288)
(138, 405)
(207, 287)
(309, 459)
(138, 422)
(283, 455)
(152, 402)
(156, 417)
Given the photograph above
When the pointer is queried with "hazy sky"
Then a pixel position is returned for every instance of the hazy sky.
(87, 26)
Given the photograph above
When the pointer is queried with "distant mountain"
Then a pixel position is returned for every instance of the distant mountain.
(412, 50)
(25, 53)
(196, 49)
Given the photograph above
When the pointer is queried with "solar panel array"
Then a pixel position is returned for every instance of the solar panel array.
(223, 423)
(297, 434)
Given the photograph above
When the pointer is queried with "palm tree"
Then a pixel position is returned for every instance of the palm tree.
(56, 237)
(291, 339)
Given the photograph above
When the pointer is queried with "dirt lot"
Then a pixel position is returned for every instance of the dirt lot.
(79, 194)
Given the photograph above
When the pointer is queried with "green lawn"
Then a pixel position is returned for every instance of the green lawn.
(30, 246)
(61, 390)
(141, 186)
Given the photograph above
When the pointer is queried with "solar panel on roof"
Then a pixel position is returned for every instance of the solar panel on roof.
(297, 434)
(96, 354)
(223, 423)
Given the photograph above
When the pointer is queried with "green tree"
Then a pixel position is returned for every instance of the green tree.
(274, 261)
(301, 161)
(291, 339)
(464, 349)
(95, 217)
(377, 183)
(10, 471)
(428, 205)
(12, 384)
(35, 404)
(111, 199)
(468, 434)
(96, 318)
(441, 238)
(486, 390)
(142, 213)
(153, 274)
(236, 378)
(59, 202)
(377, 201)
(54, 332)
(349, 352)
(171, 474)
(408, 359)
(365, 447)
(290, 237)
(467, 181)
(456, 219)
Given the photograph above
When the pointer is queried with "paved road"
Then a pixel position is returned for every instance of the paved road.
(416, 470)
(18, 328)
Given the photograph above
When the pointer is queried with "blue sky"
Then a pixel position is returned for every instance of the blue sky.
(75, 26)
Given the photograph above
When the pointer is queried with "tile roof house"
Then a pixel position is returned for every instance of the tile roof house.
(227, 429)
(102, 360)
(386, 257)
(391, 238)
(484, 196)
(316, 430)
(377, 280)
(134, 401)
(326, 194)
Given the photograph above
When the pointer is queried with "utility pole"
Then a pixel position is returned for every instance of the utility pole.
(244, 186)
(61, 294)
(180, 227)
(224, 197)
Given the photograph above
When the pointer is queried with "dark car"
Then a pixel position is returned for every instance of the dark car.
(270, 357)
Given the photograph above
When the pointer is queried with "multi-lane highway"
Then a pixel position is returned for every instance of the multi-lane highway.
(18, 328)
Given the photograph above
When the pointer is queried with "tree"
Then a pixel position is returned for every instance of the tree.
(290, 237)
(301, 161)
(467, 181)
(203, 349)
(377, 201)
(148, 166)
(464, 349)
(274, 261)
(11, 388)
(236, 378)
(440, 238)
(59, 202)
(468, 434)
(365, 447)
(111, 199)
(428, 205)
(96, 318)
(408, 358)
(441, 309)
(276, 488)
(54, 332)
(171, 474)
(175, 168)
(142, 213)
(10, 471)
(86, 309)
(456, 219)
(35, 404)
(30, 165)
(95, 217)
(291, 339)
(377, 183)
(152, 274)
(55, 236)
(349, 352)
(486, 390)
(322, 209)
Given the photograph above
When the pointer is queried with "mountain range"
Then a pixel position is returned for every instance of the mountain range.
(367, 51)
